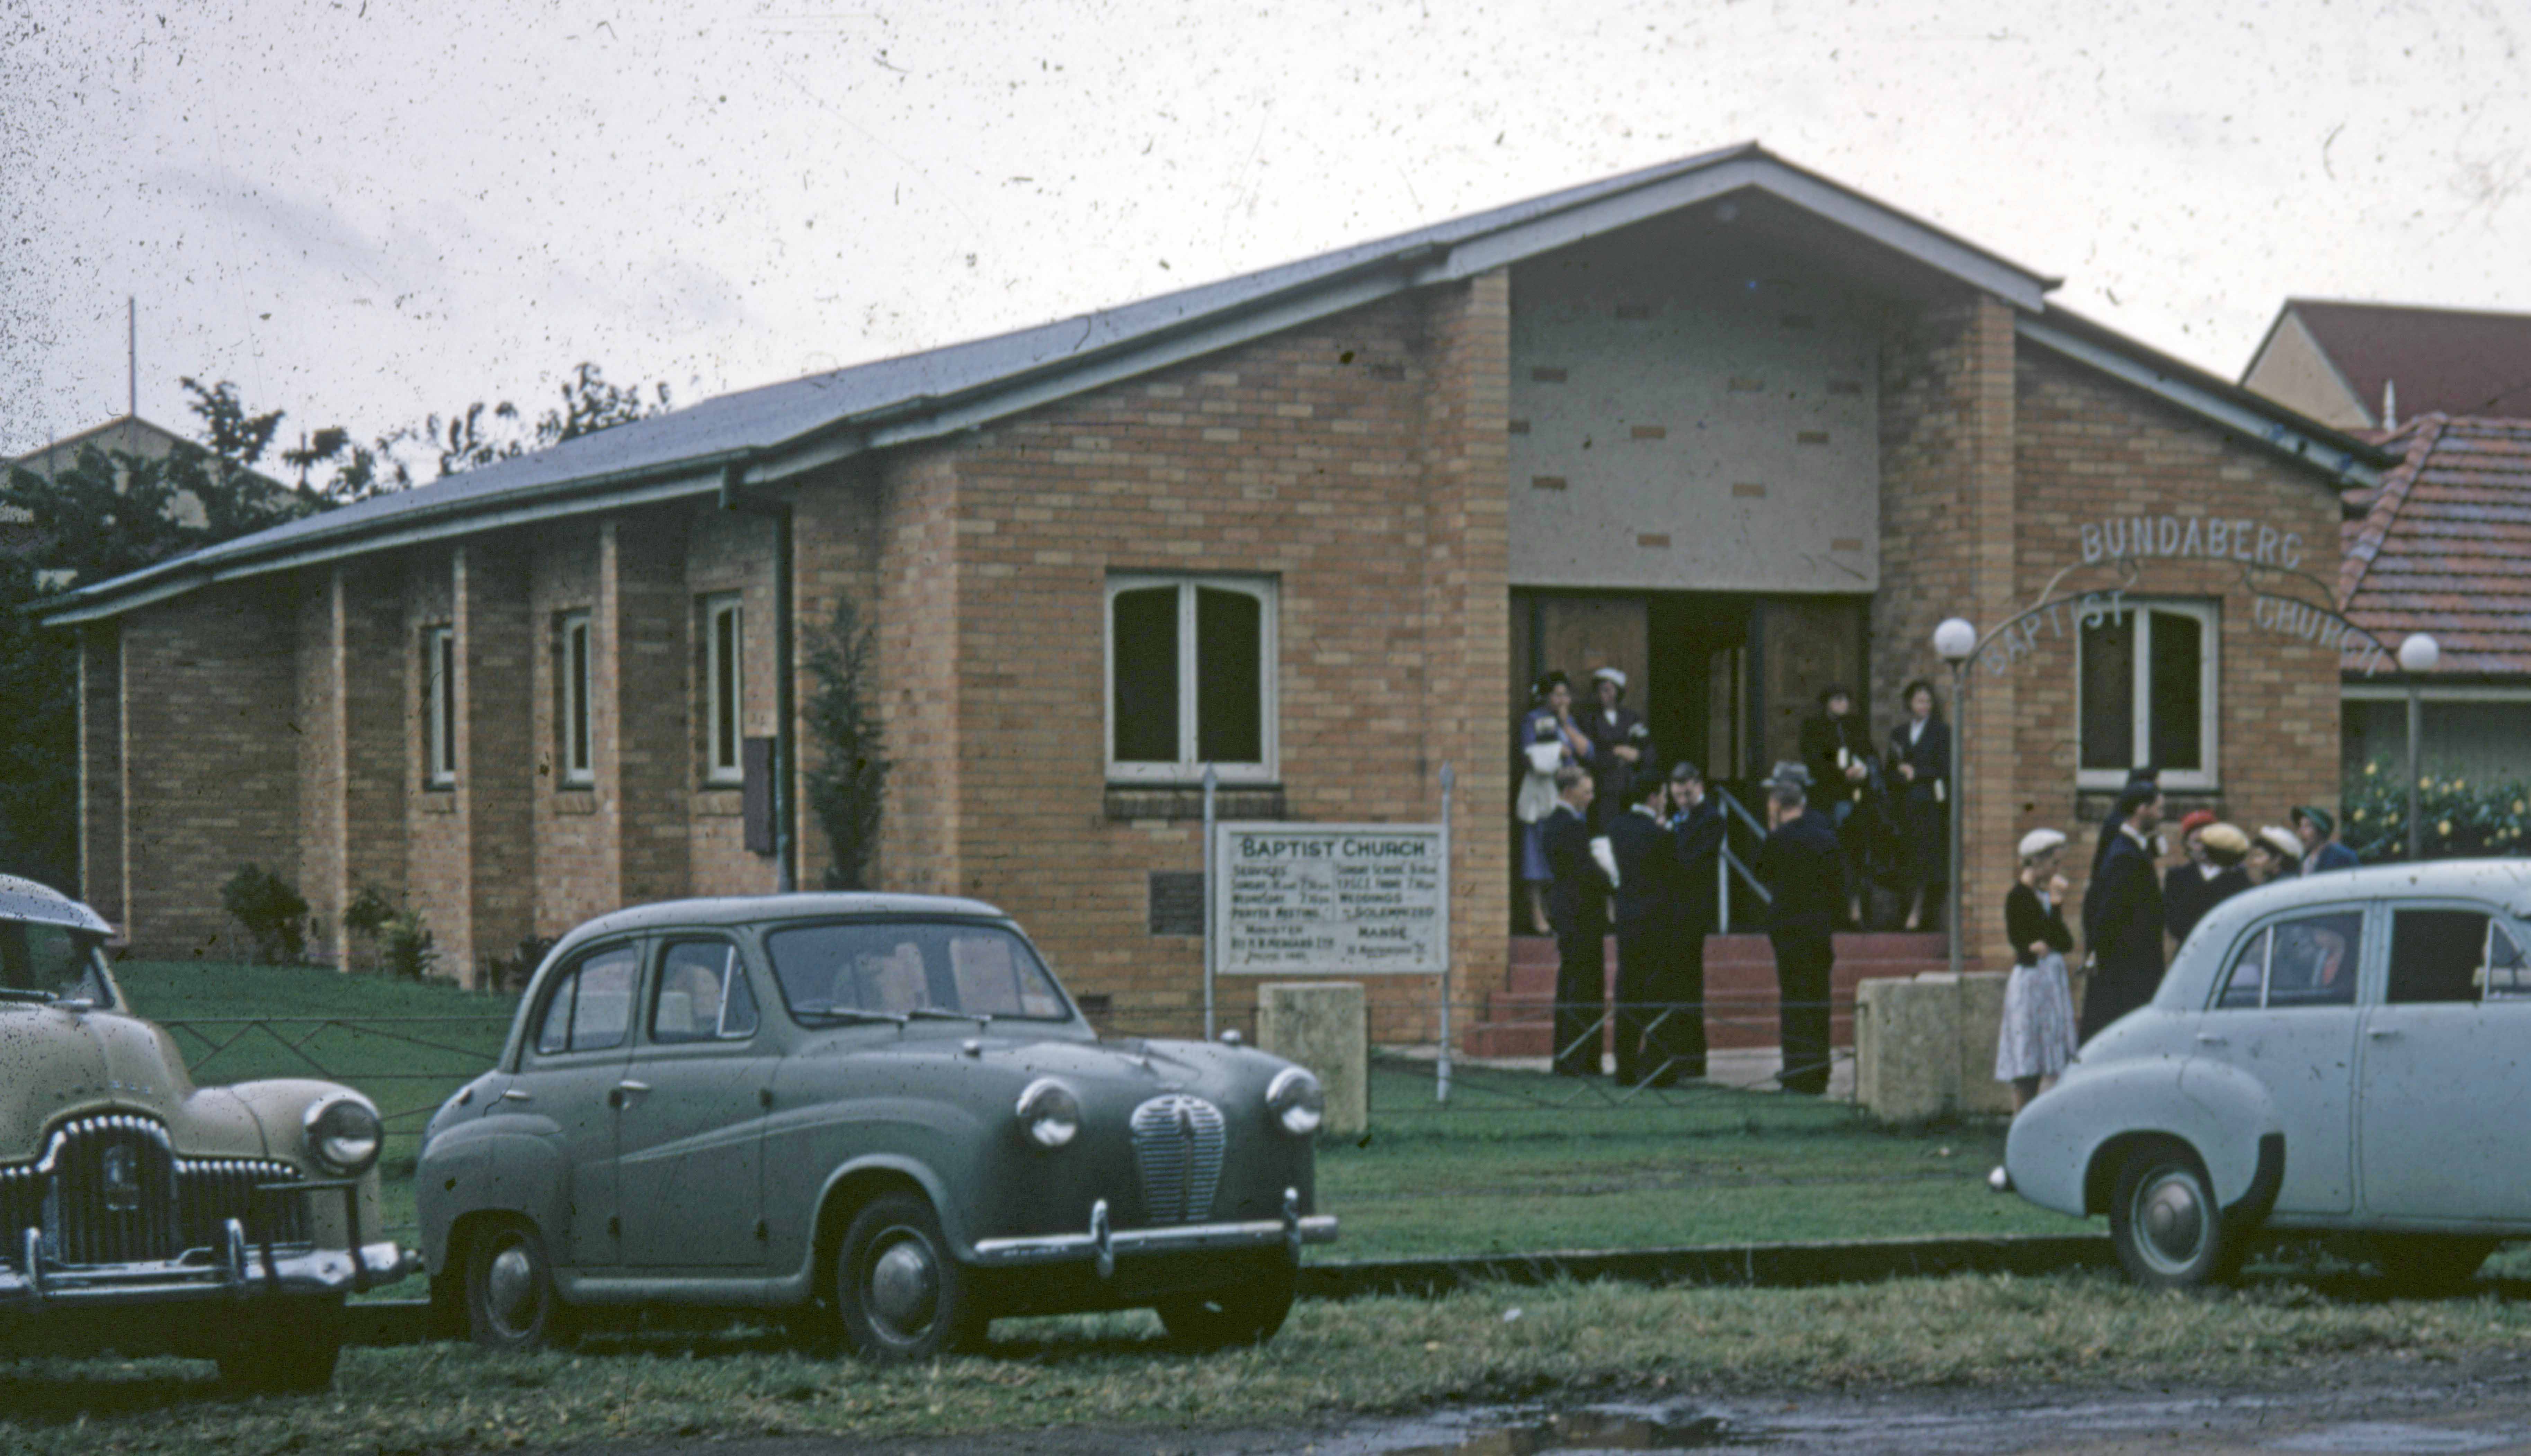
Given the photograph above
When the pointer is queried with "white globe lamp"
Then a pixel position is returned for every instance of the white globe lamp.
(2419, 653)
(1956, 639)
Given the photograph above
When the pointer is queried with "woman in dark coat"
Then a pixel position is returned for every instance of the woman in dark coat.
(1920, 781)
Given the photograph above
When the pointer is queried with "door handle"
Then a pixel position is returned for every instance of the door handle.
(2382, 1034)
(633, 1086)
(513, 1094)
(623, 1091)
(2209, 1038)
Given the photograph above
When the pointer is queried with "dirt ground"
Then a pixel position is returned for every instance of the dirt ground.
(2360, 1406)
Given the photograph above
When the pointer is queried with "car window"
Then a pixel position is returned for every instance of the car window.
(590, 1005)
(53, 962)
(2506, 974)
(2439, 955)
(702, 994)
(898, 968)
(2307, 960)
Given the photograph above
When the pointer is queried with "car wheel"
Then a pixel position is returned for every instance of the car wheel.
(1247, 1313)
(510, 1299)
(2170, 1232)
(2430, 1264)
(900, 1295)
(291, 1353)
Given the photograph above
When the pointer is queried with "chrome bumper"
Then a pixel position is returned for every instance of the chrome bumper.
(239, 1272)
(1103, 1245)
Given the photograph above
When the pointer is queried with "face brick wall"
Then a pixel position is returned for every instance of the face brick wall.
(210, 758)
(437, 878)
(100, 730)
(731, 551)
(576, 870)
(373, 724)
(642, 679)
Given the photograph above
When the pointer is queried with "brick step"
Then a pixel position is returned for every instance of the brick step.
(1740, 1010)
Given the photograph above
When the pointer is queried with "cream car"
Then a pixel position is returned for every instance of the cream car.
(2348, 1051)
(142, 1214)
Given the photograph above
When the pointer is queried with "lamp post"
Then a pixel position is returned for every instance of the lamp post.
(2417, 657)
(1956, 640)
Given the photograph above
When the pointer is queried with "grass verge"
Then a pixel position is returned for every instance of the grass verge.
(1332, 1361)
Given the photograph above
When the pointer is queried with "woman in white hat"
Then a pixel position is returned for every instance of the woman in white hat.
(2038, 1035)
(2274, 853)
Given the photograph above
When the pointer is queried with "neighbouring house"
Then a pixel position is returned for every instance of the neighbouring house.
(125, 435)
(2362, 366)
(1724, 423)
(2444, 546)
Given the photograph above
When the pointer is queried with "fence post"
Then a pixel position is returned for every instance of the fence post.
(1442, 1064)
(1211, 781)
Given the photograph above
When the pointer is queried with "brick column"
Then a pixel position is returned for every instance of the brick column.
(100, 733)
(497, 758)
(643, 745)
(353, 826)
(1467, 584)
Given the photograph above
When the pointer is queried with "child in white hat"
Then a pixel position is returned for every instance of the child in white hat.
(2036, 1040)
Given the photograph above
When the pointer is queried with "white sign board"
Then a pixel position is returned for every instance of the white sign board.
(1340, 899)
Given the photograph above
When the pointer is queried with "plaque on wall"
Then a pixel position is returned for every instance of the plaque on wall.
(1177, 902)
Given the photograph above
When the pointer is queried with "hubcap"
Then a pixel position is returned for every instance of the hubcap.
(2169, 1220)
(904, 1285)
(510, 1288)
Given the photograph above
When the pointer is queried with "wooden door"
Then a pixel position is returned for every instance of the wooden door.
(1807, 645)
(1580, 635)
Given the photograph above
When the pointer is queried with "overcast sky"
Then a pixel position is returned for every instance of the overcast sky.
(365, 211)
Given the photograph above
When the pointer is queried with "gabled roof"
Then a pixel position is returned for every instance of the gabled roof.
(2442, 361)
(783, 429)
(2445, 545)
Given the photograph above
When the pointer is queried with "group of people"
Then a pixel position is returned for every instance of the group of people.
(2129, 905)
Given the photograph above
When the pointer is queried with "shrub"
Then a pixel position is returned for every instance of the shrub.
(510, 973)
(846, 787)
(271, 910)
(404, 945)
(2463, 818)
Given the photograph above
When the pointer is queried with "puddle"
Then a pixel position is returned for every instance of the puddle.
(2390, 1439)
(1593, 1430)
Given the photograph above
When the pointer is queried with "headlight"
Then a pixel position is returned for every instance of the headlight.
(1296, 1102)
(343, 1135)
(1051, 1113)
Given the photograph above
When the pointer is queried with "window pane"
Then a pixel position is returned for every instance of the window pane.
(2314, 961)
(579, 755)
(738, 1004)
(902, 968)
(1145, 707)
(693, 977)
(53, 959)
(553, 1034)
(2109, 692)
(2249, 976)
(726, 648)
(1229, 708)
(2436, 954)
(2178, 681)
(2507, 976)
(602, 1013)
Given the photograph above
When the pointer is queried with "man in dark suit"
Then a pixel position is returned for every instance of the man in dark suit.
(1804, 873)
(1577, 906)
(1837, 748)
(2122, 914)
(1652, 925)
(1698, 825)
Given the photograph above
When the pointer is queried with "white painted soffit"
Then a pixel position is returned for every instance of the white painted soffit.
(2311, 446)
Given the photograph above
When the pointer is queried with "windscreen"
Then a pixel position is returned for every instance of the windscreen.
(910, 967)
(52, 962)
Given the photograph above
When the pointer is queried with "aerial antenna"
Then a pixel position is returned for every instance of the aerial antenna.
(132, 356)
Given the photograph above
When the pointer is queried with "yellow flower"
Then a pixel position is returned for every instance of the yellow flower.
(2425, 783)
(2444, 828)
(2371, 769)
(2358, 816)
(2517, 805)
(2460, 783)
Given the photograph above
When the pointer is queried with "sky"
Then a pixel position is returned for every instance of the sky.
(364, 211)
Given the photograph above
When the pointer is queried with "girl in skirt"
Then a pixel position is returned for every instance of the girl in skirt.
(2038, 1035)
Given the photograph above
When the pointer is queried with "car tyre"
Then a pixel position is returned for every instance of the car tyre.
(900, 1295)
(2169, 1230)
(2430, 1264)
(291, 1353)
(511, 1303)
(1245, 1313)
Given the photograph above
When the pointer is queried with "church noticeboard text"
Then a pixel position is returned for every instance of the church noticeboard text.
(1343, 899)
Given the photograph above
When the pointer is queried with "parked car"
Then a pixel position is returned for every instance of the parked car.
(143, 1213)
(2347, 1051)
(878, 1112)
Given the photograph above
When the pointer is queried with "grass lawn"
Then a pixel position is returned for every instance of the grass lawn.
(1489, 1344)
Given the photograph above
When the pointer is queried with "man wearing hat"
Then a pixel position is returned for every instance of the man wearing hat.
(2145, 775)
(2122, 921)
(1652, 928)
(2319, 835)
(1805, 877)
(1577, 906)
(1621, 746)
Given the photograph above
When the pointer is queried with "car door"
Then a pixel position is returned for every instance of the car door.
(569, 1075)
(2284, 1014)
(690, 1140)
(2446, 1070)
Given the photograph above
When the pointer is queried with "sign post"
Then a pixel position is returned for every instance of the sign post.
(1441, 1068)
(1212, 865)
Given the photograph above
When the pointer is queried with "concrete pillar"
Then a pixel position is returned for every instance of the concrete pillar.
(1322, 1026)
(1924, 1047)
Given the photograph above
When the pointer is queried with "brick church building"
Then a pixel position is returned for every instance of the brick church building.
(1722, 423)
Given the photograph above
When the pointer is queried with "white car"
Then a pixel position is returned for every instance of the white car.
(2350, 1051)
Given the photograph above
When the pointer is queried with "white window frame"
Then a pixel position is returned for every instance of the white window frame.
(576, 666)
(1187, 768)
(2210, 713)
(439, 707)
(724, 714)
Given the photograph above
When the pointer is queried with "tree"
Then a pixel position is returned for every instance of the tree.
(39, 736)
(847, 786)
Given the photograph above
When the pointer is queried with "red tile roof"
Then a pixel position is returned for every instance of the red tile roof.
(2446, 361)
(2445, 545)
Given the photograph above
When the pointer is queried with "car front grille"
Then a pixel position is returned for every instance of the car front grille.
(111, 1189)
(1177, 1146)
